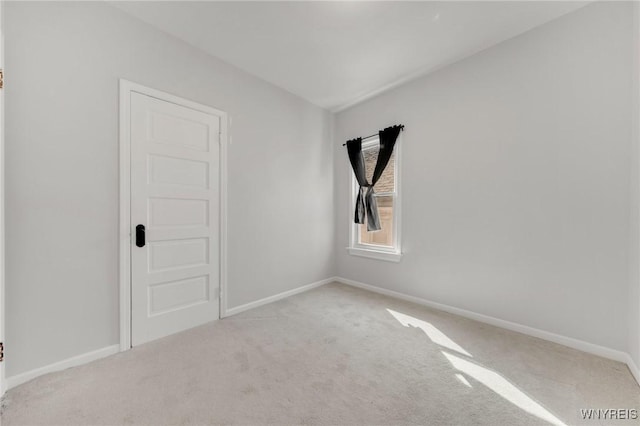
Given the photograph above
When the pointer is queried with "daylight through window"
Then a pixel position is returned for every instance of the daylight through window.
(386, 193)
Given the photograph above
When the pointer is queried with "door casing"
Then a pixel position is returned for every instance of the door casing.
(126, 88)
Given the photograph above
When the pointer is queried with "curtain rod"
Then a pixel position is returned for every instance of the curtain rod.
(376, 134)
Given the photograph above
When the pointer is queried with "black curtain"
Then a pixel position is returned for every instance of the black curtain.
(366, 204)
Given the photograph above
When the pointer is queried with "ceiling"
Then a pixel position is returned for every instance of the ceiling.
(338, 53)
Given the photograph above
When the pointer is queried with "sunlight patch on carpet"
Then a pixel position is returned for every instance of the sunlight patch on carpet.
(463, 380)
(502, 387)
(432, 332)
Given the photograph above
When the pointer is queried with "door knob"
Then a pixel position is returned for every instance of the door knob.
(140, 236)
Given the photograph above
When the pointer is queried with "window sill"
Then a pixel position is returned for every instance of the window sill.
(375, 254)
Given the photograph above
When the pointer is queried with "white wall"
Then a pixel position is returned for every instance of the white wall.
(64, 61)
(634, 253)
(2, 232)
(518, 165)
(515, 179)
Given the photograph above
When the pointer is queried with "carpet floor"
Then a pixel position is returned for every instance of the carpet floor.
(335, 355)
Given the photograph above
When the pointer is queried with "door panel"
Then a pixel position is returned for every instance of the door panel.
(164, 255)
(176, 212)
(180, 172)
(172, 295)
(175, 165)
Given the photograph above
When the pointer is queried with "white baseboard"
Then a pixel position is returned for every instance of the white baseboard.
(580, 345)
(275, 297)
(19, 379)
(591, 348)
(635, 371)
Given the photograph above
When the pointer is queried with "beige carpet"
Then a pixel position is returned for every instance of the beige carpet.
(335, 355)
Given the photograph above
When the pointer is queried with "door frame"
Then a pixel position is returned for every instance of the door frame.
(126, 89)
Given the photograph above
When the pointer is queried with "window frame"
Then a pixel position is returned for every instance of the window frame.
(373, 251)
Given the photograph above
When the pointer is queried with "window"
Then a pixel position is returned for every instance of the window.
(385, 243)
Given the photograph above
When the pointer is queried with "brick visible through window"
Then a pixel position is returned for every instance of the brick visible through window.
(386, 184)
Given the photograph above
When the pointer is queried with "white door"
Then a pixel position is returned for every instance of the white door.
(175, 196)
